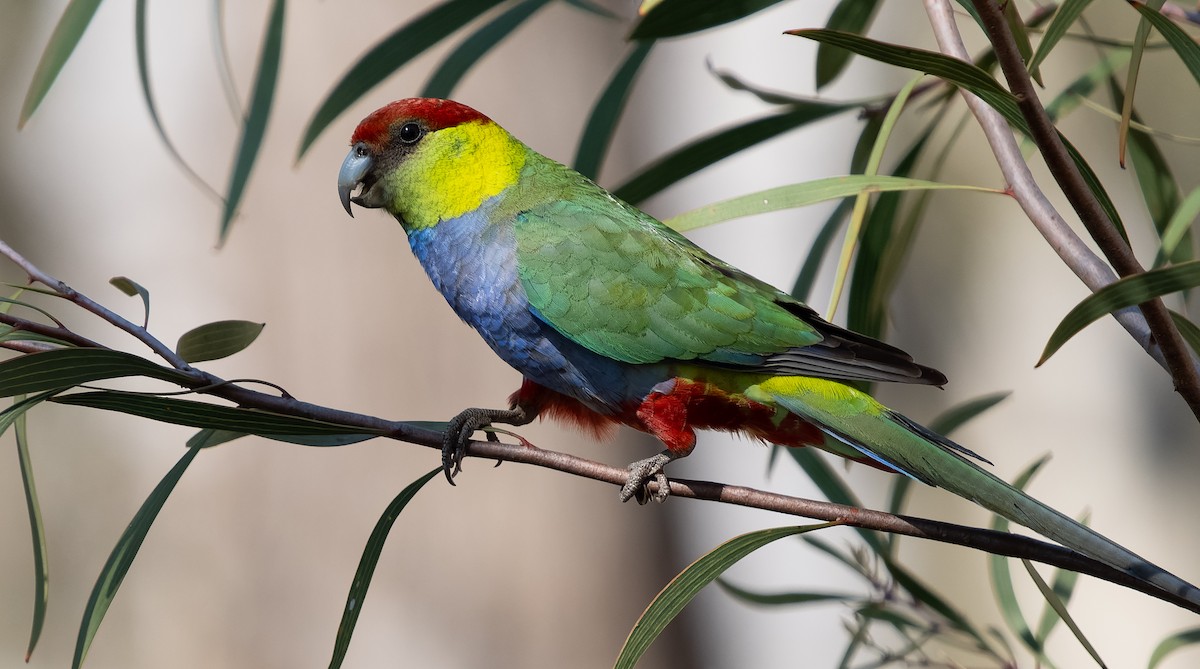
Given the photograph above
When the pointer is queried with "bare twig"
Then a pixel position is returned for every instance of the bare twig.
(1075, 254)
(1000, 543)
(1176, 356)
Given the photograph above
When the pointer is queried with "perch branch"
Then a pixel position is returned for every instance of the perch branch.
(1001, 543)
(1175, 353)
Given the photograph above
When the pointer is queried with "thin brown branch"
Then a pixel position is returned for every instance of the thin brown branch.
(1045, 135)
(1000, 543)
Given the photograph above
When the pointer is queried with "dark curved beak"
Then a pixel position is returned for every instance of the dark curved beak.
(354, 169)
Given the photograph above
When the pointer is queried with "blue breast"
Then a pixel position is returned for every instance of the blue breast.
(473, 263)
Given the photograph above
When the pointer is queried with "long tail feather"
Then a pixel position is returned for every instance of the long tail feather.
(887, 437)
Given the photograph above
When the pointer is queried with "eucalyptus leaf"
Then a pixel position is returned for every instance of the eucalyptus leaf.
(41, 578)
(602, 122)
(1126, 292)
(366, 566)
(64, 368)
(446, 77)
(852, 16)
(133, 288)
(63, 40)
(671, 18)
(214, 341)
(673, 598)
(122, 556)
(255, 126)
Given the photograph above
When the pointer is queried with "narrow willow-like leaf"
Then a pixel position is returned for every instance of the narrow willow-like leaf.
(1135, 66)
(1063, 19)
(804, 194)
(697, 155)
(1173, 643)
(208, 437)
(143, 63)
(1002, 581)
(958, 415)
(1127, 292)
(852, 16)
(41, 578)
(366, 566)
(1178, 226)
(671, 600)
(122, 556)
(133, 288)
(1076, 93)
(783, 598)
(671, 18)
(602, 122)
(223, 62)
(1185, 46)
(446, 77)
(214, 341)
(1063, 587)
(406, 43)
(206, 415)
(1016, 26)
(1188, 330)
(592, 8)
(971, 78)
(859, 214)
(255, 126)
(1061, 609)
(50, 370)
(66, 35)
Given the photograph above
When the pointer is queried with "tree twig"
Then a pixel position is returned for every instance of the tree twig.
(1075, 254)
(1175, 353)
(1001, 543)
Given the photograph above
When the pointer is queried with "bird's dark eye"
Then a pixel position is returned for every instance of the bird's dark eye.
(410, 132)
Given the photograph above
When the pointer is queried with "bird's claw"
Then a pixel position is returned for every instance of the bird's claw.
(460, 429)
(641, 472)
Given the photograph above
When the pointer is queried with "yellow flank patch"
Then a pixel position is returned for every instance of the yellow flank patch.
(828, 396)
(453, 171)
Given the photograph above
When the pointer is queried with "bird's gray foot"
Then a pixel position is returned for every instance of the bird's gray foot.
(640, 474)
(461, 427)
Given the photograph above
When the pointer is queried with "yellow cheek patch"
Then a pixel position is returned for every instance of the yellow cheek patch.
(454, 171)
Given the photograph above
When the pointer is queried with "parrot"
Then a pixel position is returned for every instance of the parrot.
(613, 318)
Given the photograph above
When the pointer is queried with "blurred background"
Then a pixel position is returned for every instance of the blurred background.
(250, 560)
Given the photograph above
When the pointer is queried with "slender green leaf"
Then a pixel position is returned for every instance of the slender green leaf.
(803, 194)
(1061, 609)
(143, 62)
(63, 368)
(208, 437)
(852, 16)
(854, 230)
(1189, 330)
(443, 81)
(214, 341)
(833, 488)
(593, 8)
(1002, 581)
(1016, 26)
(1177, 228)
(969, 77)
(406, 43)
(207, 415)
(41, 578)
(66, 35)
(1063, 19)
(1135, 66)
(783, 598)
(1173, 643)
(671, 18)
(366, 566)
(671, 600)
(1077, 92)
(1127, 292)
(802, 287)
(601, 124)
(1063, 587)
(10, 333)
(223, 62)
(956, 416)
(923, 594)
(122, 557)
(132, 288)
(256, 118)
(705, 151)
(1184, 45)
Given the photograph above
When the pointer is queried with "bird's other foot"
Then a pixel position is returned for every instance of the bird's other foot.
(641, 472)
(464, 425)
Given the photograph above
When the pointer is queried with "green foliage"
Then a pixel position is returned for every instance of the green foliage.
(882, 203)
